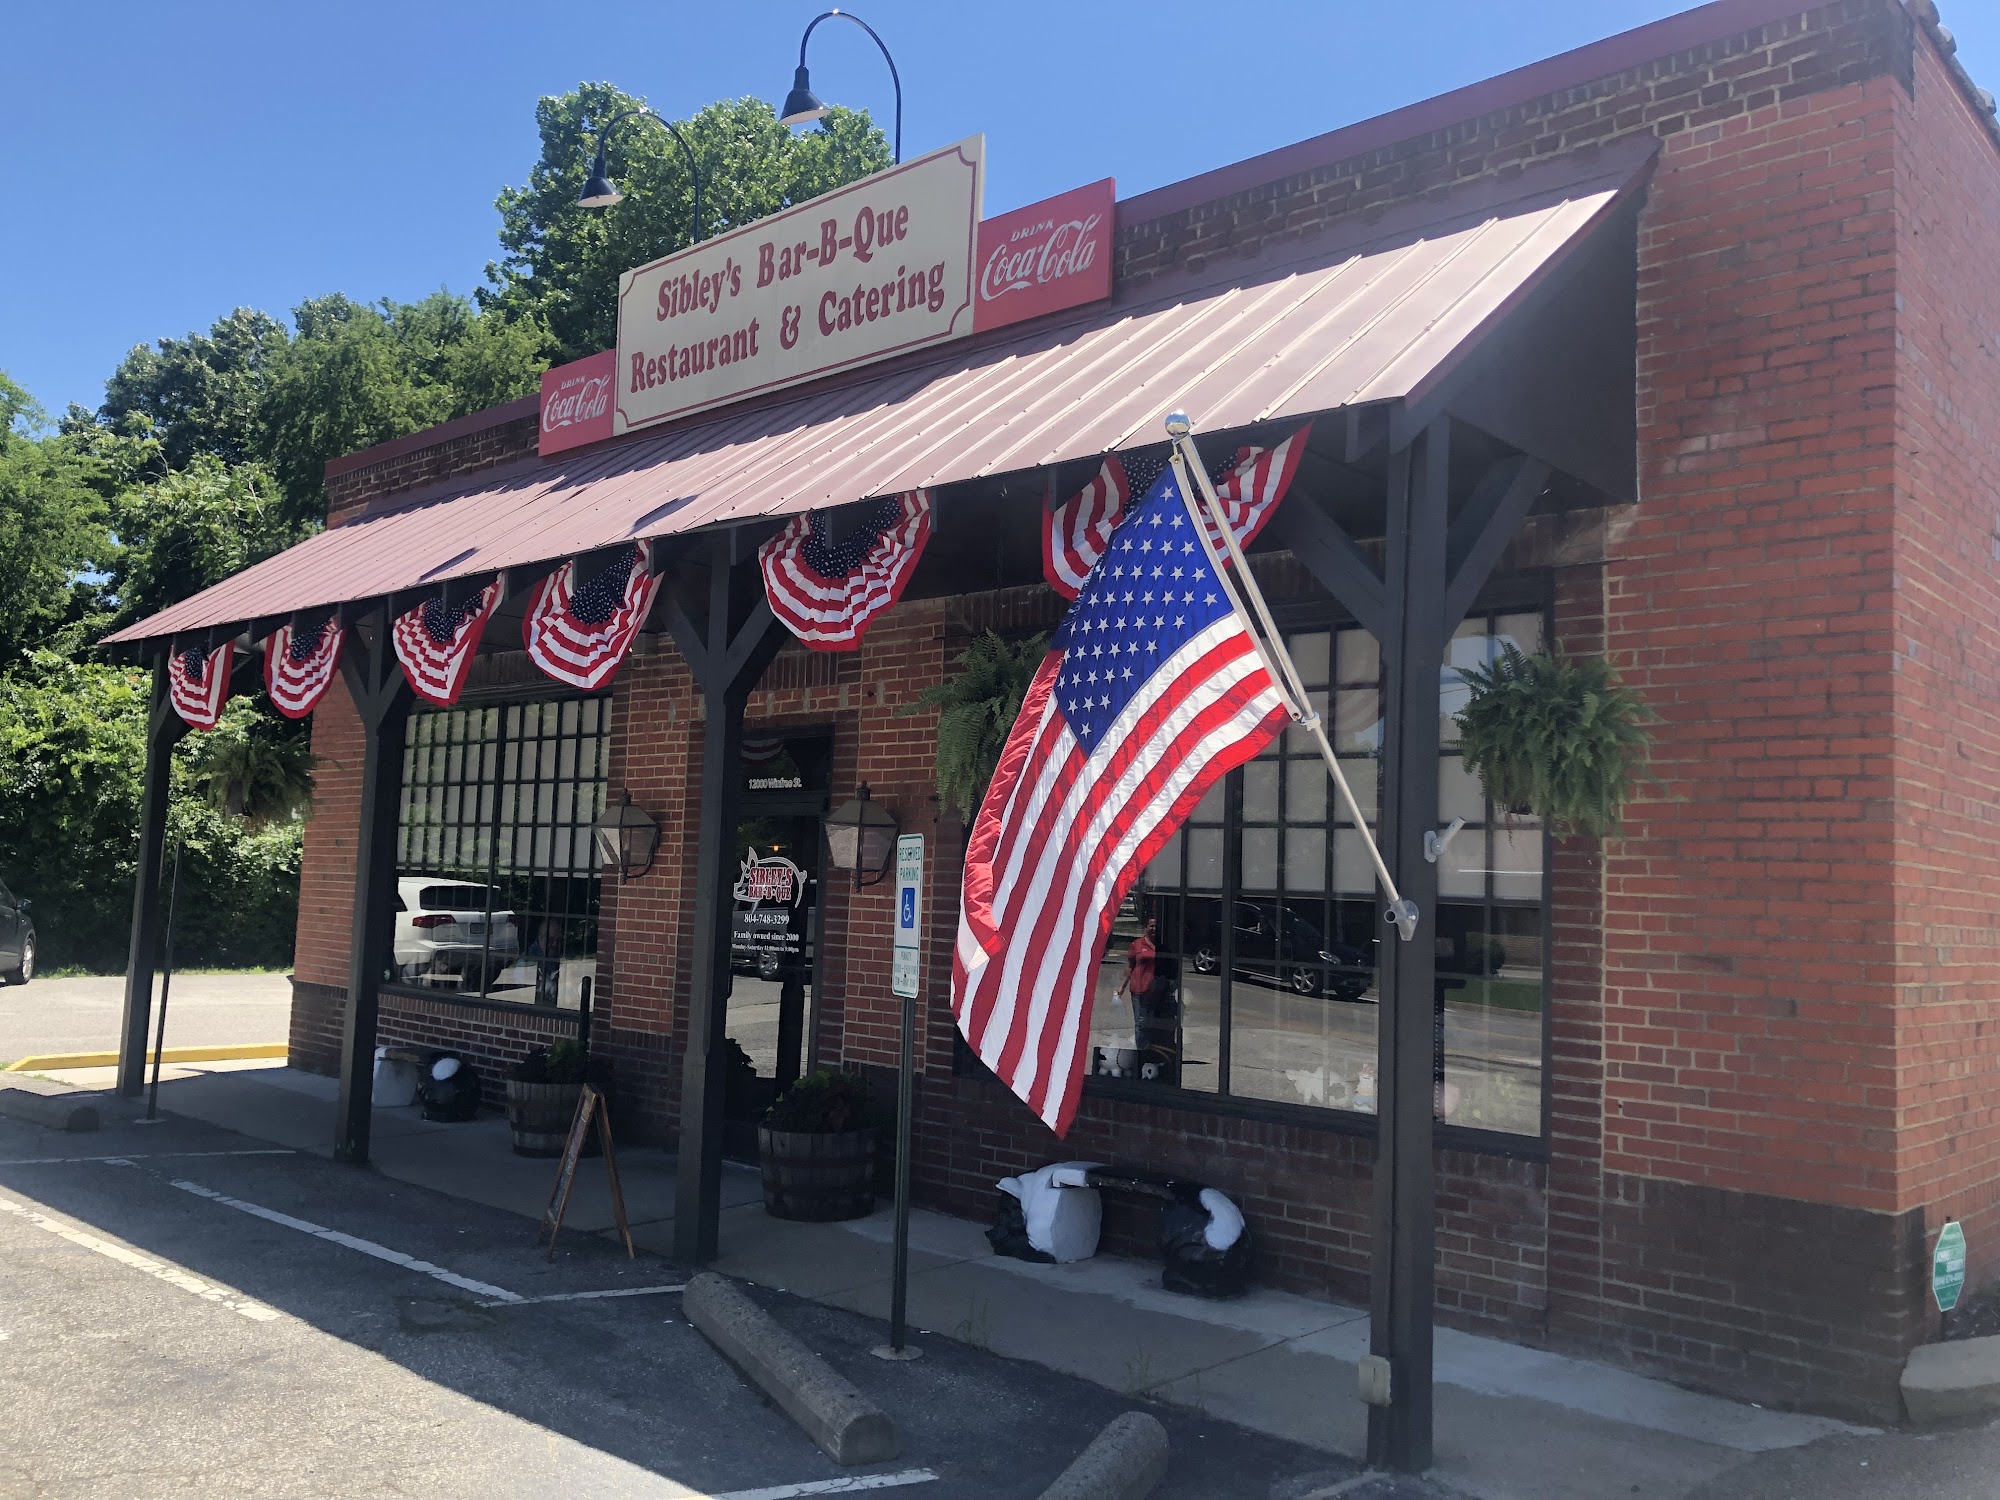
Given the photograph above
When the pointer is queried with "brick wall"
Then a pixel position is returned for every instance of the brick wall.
(462, 446)
(1944, 661)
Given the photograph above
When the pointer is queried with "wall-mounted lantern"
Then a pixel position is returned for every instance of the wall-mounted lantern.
(861, 836)
(626, 839)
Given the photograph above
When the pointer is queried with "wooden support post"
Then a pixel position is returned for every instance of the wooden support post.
(382, 698)
(1402, 1271)
(164, 729)
(727, 655)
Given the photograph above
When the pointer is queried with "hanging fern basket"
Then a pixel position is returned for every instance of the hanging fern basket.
(976, 708)
(1556, 736)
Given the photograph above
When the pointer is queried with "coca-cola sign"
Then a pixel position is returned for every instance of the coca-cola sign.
(576, 402)
(1048, 256)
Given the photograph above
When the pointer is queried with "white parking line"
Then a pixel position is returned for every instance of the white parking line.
(852, 1484)
(499, 1294)
(619, 1291)
(172, 1275)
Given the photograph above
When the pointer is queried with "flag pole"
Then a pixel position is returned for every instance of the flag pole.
(1270, 643)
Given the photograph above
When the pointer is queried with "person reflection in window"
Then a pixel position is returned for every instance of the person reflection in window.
(1155, 1011)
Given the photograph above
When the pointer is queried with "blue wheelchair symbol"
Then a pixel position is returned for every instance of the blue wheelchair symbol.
(908, 916)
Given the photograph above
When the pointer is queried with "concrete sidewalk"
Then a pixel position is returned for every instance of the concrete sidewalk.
(1512, 1423)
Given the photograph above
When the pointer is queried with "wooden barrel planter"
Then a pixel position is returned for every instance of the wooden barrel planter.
(540, 1114)
(816, 1176)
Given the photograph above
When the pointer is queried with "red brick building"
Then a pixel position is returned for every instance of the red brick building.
(1711, 1087)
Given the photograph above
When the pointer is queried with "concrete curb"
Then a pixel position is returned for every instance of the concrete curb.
(1942, 1382)
(844, 1423)
(233, 1052)
(50, 1111)
(1123, 1462)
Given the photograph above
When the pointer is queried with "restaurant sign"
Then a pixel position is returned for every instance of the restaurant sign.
(875, 269)
(576, 403)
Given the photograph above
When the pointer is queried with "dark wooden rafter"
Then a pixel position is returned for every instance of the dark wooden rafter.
(727, 650)
(382, 699)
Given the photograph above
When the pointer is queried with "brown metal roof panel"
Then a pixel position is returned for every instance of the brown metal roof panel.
(1268, 339)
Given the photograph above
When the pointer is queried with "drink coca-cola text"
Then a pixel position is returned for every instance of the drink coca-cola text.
(1041, 254)
(1046, 257)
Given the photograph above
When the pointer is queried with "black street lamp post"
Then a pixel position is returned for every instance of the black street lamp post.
(802, 105)
(601, 192)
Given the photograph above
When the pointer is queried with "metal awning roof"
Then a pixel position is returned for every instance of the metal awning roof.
(1362, 314)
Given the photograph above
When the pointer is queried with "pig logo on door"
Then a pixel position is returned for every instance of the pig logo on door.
(768, 877)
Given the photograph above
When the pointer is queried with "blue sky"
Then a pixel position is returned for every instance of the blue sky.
(164, 163)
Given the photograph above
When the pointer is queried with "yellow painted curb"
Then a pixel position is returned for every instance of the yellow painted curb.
(238, 1053)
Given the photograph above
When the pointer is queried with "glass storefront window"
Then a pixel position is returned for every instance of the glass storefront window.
(496, 881)
(1245, 962)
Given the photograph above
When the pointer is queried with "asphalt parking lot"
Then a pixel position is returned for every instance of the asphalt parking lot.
(187, 1311)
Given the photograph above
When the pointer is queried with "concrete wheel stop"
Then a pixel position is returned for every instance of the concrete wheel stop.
(831, 1411)
(54, 1108)
(1126, 1461)
(1943, 1382)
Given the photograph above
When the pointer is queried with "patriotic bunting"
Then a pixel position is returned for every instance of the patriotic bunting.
(1249, 485)
(299, 665)
(198, 684)
(1153, 692)
(827, 592)
(579, 634)
(436, 645)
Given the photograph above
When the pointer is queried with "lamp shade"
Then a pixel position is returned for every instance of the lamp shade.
(626, 839)
(802, 105)
(861, 836)
(600, 191)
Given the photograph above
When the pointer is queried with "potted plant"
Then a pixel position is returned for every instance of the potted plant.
(976, 707)
(1556, 736)
(542, 1093)
(817, 1149)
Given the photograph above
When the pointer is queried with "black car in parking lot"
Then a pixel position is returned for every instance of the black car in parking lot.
(17, 939)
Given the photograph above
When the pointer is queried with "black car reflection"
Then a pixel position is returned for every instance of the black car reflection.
(1278, 946)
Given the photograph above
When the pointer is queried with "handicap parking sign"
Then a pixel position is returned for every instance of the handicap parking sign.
(909, 880)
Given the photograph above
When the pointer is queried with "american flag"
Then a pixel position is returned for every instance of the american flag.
(198, 683)
(1249, 483)
(825, 591)
(436, 645)
(579, 635)
(299, 665)
(1153, 692)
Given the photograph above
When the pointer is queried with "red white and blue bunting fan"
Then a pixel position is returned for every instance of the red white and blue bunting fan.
(578, 634)
(826, 592)
(436, 645)
(299, 666)
(1249, 484)
(198, 683)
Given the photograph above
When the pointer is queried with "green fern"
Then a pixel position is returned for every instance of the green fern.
(976, 708)
(1556, 735)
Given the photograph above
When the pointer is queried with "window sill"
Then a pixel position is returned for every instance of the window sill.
(1333, 1121)
(479, 1002)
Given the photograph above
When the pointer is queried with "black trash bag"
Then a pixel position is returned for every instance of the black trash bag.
(1009, 1234)
(1189, 1264)
(452, 1098)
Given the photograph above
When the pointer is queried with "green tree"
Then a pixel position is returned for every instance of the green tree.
(358, 374)
(51, 526)
(192, 528)
(562, 262)
(198, 394)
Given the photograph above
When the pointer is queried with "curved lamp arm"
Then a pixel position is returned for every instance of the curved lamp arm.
(600, 171)
(802, 84)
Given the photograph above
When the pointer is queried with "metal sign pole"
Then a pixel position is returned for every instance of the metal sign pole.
(905, 968)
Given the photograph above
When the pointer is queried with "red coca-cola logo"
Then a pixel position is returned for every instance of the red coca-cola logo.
(1046, 257)
(576, 402)
(1039, 254)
